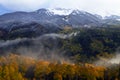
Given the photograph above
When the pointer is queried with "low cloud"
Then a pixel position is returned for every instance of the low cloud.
(109, 62)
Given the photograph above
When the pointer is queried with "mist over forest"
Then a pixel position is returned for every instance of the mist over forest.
(59, 44)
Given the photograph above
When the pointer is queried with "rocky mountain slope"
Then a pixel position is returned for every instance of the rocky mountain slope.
(49, 21)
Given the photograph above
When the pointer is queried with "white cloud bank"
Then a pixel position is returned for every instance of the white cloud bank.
(102, 7)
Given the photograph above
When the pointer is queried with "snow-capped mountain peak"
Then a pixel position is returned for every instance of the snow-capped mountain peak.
(45, 11)
(61, 11)
(75, 12)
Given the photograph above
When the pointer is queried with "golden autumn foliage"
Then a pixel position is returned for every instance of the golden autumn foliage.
(15, 67)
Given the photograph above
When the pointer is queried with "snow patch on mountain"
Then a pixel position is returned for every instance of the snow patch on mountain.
(60, 11)
(118, 19)
(45, 11)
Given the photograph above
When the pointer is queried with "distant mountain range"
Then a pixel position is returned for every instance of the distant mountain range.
(50, 21)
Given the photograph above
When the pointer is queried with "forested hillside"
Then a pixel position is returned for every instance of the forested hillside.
(93, 42)
(69, 54)
(15, 67)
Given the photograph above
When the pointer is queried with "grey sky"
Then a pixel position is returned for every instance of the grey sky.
(102, 7)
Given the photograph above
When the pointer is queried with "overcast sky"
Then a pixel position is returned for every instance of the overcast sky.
(102, 7)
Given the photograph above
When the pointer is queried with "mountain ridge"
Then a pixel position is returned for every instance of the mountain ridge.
(48, 21)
